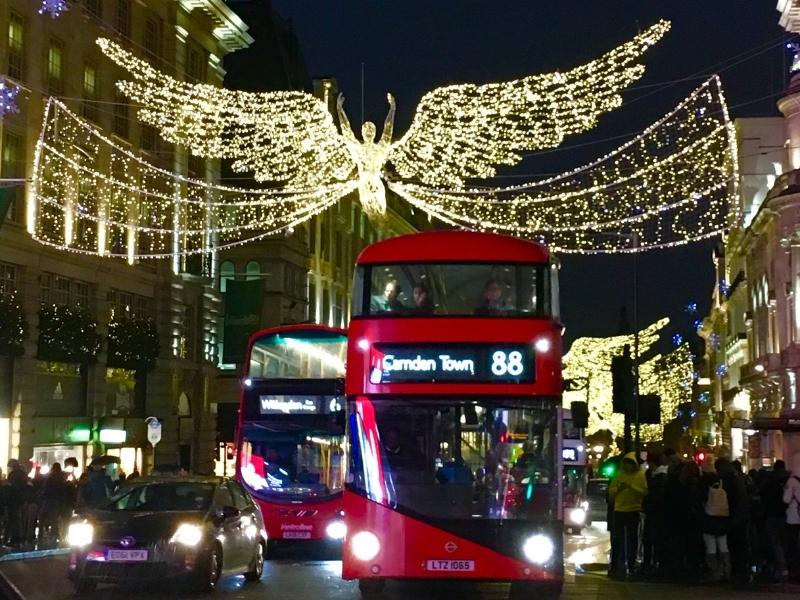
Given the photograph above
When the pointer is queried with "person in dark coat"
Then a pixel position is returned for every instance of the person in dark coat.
(57, 504)
(18, 484)
(96, 489)
(739, 508)
(774, 510)
(654, 533)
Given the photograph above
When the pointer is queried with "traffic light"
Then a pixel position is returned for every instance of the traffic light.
(700, 457)
(622, 382)
(609, 467)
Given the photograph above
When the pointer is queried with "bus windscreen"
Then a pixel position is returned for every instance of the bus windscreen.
(453, 289)
(298, 355)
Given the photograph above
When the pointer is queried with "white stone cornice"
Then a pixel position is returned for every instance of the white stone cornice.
(229, 29)
(790, 15)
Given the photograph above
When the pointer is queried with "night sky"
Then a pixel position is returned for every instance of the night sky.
(413, 46)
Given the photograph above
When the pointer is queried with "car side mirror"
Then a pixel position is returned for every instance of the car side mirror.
(228, 512)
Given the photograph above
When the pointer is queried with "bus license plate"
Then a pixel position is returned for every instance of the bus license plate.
(127, 555)
(450, 565)
(297, 535)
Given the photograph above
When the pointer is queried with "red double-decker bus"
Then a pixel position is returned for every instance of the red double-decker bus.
(291, 431)
(453, 386)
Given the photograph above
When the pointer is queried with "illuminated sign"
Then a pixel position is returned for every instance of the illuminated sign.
(569, 454)
(432, 363)
(289, 405)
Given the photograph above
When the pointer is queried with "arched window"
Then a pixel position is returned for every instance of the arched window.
(226, 271)
(252, 271)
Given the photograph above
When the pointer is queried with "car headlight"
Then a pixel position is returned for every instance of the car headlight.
(336, 529)
(577, 516)
(538, 549)
(365, 545)
(80, 534)
(187, 535)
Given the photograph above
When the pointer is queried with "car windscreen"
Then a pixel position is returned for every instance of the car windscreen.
(160, 496)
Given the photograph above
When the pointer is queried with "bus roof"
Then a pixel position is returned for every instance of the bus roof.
(294, 329)
(445, 246)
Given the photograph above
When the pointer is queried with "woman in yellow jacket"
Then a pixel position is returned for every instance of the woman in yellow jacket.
(626, 492)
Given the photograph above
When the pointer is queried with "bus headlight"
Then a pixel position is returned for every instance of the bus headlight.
(577, 516)
(365, 545)
(80, 534)
(538, 549)
(336, 529)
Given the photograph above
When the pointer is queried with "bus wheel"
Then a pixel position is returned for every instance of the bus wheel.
(371, 587)
(530, 590)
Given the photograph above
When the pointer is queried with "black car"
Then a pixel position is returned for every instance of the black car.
(193, 529)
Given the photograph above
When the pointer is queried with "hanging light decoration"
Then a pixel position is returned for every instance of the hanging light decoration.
(8, 98)
(53, 7)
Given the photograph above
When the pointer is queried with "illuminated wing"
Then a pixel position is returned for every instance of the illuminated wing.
(463, 131)
(286, 137)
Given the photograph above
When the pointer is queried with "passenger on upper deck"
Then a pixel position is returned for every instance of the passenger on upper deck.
(493, 303)
(389, 301)
(423, 305)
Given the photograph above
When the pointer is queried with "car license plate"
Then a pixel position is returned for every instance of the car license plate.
(127, 555)
(297, 535)
(450, 565)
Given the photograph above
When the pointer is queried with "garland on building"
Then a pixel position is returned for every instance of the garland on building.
(67, 334)
(13, 326)
(669, 376)
(132, 343)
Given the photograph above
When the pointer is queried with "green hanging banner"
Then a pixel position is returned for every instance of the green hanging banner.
(243, 302)
(6, 197)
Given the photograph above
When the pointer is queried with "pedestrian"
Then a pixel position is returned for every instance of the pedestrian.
(57, 504)
(17, 490)
(627, 491)
(654, 534)
(96, 489)
(687, 506)
(791, 496)
(774, 509)
(739, 509)
(715, 525)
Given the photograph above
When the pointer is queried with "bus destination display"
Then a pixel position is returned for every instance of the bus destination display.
(433, 363)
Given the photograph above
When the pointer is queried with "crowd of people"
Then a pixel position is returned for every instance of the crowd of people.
(35, 507)
(704, 521)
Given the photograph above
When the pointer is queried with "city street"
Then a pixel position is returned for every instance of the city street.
(289, 577)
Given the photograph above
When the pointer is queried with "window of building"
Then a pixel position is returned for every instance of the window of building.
(12, 166)
(124, 17)
(196, 167)
(16, 47)
(149, 138)
(95, 8)
(90, 92)
(196, 61)
(121, 122)
(61, 290)
(8, 278)
(252, 271)
(226, 271)
(152, 37)
(55, 67)
(81, 295)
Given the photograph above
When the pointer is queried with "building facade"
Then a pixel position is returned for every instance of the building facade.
(106, 344)
(753, 332)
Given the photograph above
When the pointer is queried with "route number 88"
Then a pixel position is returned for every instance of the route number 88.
(507, 363)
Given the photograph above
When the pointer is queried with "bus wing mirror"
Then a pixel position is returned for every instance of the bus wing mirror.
(580, 414)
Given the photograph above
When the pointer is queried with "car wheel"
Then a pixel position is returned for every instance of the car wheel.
(528, 590)
(84, 586)
(257, 566)
(209, 571)
(370, 588)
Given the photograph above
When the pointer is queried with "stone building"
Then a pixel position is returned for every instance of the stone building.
(80, 382)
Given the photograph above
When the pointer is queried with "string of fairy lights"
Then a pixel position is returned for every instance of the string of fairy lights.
(672, 184)
(668, 375)
(669, 185)
(133, 209)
